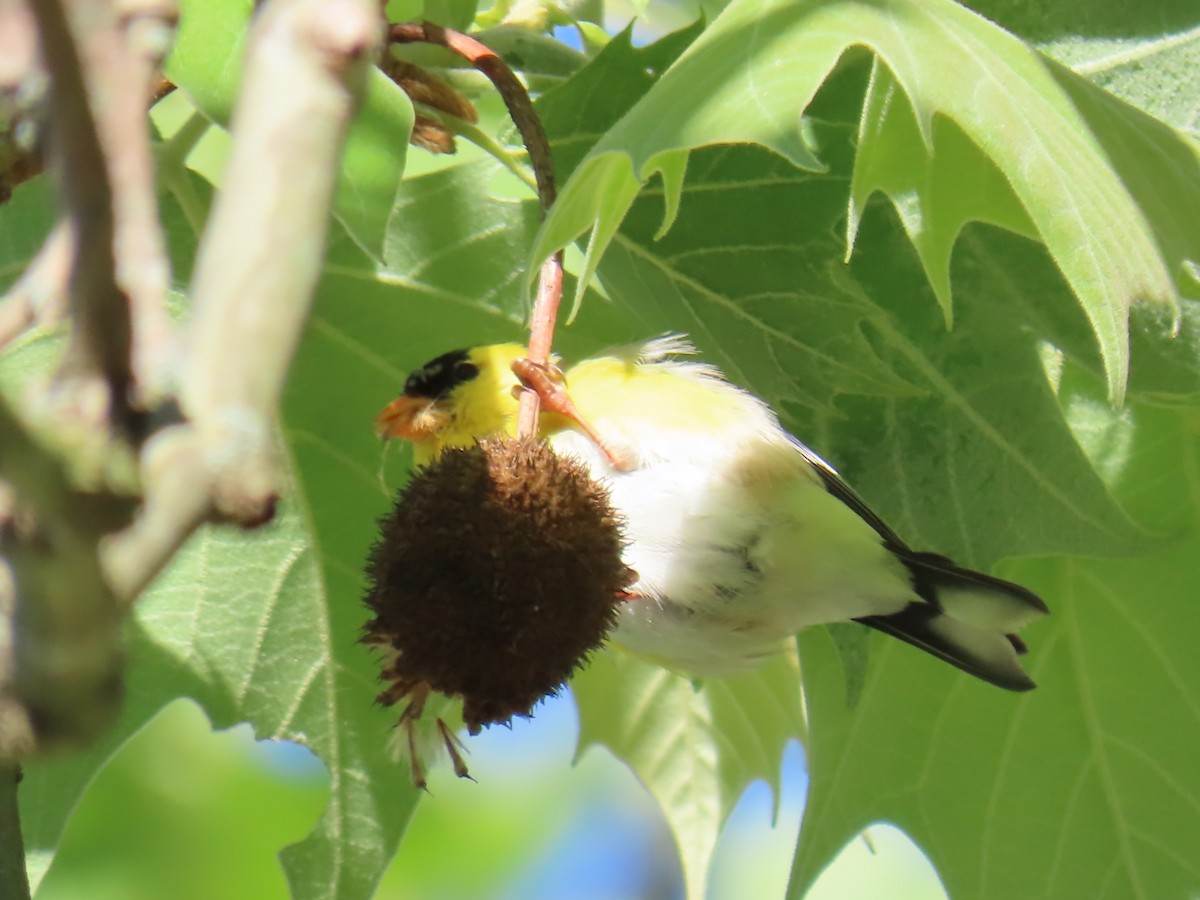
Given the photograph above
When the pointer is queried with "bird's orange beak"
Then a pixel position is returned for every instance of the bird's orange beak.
(410, 418)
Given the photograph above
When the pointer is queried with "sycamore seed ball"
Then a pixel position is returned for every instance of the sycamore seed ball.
(495, 575)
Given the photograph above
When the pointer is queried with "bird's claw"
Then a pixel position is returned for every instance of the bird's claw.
(548, 382)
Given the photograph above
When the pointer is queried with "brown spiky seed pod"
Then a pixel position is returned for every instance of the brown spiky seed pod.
(495, 575)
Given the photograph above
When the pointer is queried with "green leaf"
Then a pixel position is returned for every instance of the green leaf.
(695, 745)
(531, 52)
(207, 63)
(1079, 780)
(176, 784)
(1146, 60)
(937, 188)
(579, 112)
(457, 14)
(961, 468)
(1156, 164)
(27, 219)
(748, 294)
(757, 68)
(1165, 361)
(1152, 72)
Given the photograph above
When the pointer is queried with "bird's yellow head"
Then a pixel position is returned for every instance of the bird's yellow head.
(454, 400)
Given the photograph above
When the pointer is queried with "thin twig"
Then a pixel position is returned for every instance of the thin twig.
(520, 108)
(164, 88)
(515, 97)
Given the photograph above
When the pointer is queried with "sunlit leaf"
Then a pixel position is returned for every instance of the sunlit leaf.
(757, 68)
(1078, 779)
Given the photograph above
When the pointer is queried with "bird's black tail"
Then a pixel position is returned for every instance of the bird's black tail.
(966, 618)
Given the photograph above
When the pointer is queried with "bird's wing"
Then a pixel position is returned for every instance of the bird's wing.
(834, 484)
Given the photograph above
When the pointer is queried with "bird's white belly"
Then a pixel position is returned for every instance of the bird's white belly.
(727, 572)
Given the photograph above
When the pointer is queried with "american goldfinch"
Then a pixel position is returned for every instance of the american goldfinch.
(739, 534)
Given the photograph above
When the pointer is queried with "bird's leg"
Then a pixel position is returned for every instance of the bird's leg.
(416, 764)
(406, 738)
(548, 383)
(418, 695)
(455, 748)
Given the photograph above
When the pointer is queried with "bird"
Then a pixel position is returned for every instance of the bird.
(738, 533)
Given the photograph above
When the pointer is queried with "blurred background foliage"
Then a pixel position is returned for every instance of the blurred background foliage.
(184, 812)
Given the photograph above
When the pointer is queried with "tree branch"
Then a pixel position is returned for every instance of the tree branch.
(179, 499)
(13, 880)
(62, 673)
(126, 54)
(100, 337)
(262, 252)
(66, 645)
(76, 555)
(103, 59)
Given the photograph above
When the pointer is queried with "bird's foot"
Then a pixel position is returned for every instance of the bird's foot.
(408, 742)
(548, 383)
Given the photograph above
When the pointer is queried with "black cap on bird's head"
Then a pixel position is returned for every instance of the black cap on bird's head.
(441, 375)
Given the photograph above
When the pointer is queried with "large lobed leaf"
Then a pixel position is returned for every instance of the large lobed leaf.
(751, 271)
(1090, 781)
(755, 71)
